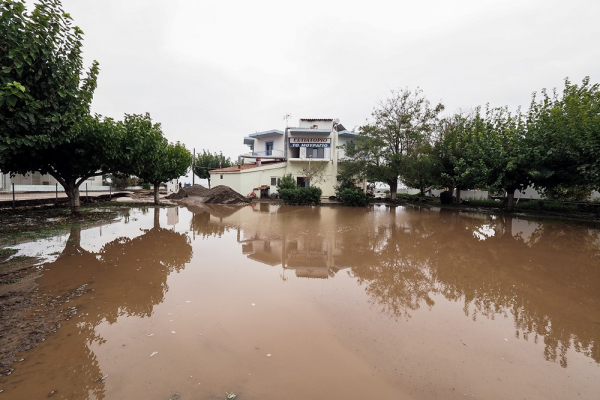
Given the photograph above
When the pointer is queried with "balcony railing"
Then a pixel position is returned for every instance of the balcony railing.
(268, 153)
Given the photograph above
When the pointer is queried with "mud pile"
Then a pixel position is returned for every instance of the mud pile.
(196, 190)
(224, 195)
(198, 194)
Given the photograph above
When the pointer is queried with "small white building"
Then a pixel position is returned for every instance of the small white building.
(37, 182)
(311, 148)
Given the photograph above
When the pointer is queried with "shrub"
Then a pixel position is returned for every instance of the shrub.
(546, 205)
(305, 196)
(354, 198)
(146, 185)
(286, 182)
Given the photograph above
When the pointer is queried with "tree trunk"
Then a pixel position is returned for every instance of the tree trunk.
(510, 197)
(457, 194)
(393, 189)
(72, 192)
(209, 183)
(156, 193)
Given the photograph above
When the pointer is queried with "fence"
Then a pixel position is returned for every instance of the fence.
(16, 195)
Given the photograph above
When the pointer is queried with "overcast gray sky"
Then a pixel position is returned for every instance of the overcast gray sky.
(212, 72)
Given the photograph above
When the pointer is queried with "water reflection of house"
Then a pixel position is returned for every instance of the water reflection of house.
(307, 257)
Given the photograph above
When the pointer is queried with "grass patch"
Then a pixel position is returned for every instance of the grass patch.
(546, 205)
(7, 252)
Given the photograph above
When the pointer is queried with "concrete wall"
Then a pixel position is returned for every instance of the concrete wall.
(260, 145)
(245, 181)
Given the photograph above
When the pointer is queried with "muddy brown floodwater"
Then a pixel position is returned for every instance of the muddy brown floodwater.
(278, 302)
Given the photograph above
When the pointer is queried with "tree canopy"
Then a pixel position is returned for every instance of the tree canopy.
(388, 148)
(208, 161)
(44, 93)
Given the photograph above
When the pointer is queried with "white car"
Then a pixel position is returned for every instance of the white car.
(379, 194)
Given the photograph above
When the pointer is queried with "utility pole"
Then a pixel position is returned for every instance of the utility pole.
(193, 165)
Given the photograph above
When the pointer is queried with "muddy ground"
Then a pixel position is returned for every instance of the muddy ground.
(26, 316)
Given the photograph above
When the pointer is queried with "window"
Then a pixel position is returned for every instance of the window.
(273, 181)
(301, 181)
(221, 176)
(315, 152)
(269, 149)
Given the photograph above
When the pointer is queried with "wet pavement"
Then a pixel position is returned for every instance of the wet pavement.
(281, 302)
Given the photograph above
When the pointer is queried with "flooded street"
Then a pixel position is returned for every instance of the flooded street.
(280, 302)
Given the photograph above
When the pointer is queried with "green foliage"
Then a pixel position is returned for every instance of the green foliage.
(121, 181)
(206, 161)
(569, 193)
(564, 135)
(485, 203)
(546, 205)
(394, 144)
(305, 196)
(354, 197)
(346, 179)
(43, 96)
(286, 182)
(146, 185)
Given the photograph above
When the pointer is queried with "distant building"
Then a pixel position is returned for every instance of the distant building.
(314, 144)
(37, 182)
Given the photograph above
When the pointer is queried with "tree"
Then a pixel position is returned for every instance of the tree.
(564, 135)
(314, 172)
(43, 97)
(460, 153)
(94, 150)
(206, 162)
(387, 147)
(508, 152)
(149, 155)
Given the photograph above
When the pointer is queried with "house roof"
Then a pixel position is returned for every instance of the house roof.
(346, 133)
(316, 119)
(270, 132)
(244, 167)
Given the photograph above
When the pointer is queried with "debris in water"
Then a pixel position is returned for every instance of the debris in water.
(173, 332)
(230, 396)
(101, 379)
(253, 304)
(505, 339)
(188, 301)
(269, 355)
(154, 353)
(151, 334)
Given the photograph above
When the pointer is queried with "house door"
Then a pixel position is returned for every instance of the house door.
(269, 149)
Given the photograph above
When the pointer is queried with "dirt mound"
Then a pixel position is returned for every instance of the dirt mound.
(224, 195)
(218, 195)
(196, 190)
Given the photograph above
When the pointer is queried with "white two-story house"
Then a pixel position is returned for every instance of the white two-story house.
(310, 151)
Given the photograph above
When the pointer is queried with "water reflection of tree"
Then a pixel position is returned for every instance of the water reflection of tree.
(395, 276)
(547, 282)
(128, 277)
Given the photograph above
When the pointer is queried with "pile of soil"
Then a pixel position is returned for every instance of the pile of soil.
(198, 194)
(196, 190)
(224, 195)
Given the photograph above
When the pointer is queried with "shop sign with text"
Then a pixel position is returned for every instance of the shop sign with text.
(310, 142)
